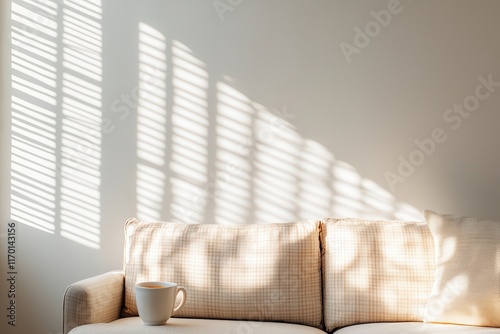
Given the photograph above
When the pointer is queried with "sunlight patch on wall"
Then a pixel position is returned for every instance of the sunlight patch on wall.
(375, 199)
(56, 117)
(404, 211)
(267, 172)
(189, 159)
(346, 192)
(151, 123)
(81, 119)
(34, 115)
(314, 173)
(276, 175)
(234, 129)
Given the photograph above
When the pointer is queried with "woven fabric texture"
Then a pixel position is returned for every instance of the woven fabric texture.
(467, 286)
(95, 299)
(258, 272)
(375, 271)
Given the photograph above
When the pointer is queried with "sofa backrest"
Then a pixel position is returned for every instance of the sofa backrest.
(375, 271)
(245, 272)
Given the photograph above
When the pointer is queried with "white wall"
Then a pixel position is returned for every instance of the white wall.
(254, 114)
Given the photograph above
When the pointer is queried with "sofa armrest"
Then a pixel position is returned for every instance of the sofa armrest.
(92, 300)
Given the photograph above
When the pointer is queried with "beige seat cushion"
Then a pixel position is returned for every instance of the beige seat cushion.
(415, 328)
(375, 271)
(134, 325)
(247, 272)
(467, 286)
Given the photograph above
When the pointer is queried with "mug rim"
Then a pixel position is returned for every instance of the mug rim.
(163, 284)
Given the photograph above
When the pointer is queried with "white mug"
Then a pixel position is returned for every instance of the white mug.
(156, 301)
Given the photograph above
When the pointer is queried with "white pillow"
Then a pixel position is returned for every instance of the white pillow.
(467, 286)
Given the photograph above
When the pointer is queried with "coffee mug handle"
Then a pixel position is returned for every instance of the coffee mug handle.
(183, 300)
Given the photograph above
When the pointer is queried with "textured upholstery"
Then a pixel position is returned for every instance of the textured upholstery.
(377, 277)
(375, 271)
(96, 299)
(247, 272)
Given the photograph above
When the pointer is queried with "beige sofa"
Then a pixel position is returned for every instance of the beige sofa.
(343, 275)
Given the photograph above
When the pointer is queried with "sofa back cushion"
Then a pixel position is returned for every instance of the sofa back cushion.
(375, 271)
(248, 272)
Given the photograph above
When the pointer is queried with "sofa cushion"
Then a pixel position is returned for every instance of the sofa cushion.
(467, 286)
(375, 271)
(194, 326)
(415, 328)
(247, 272)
